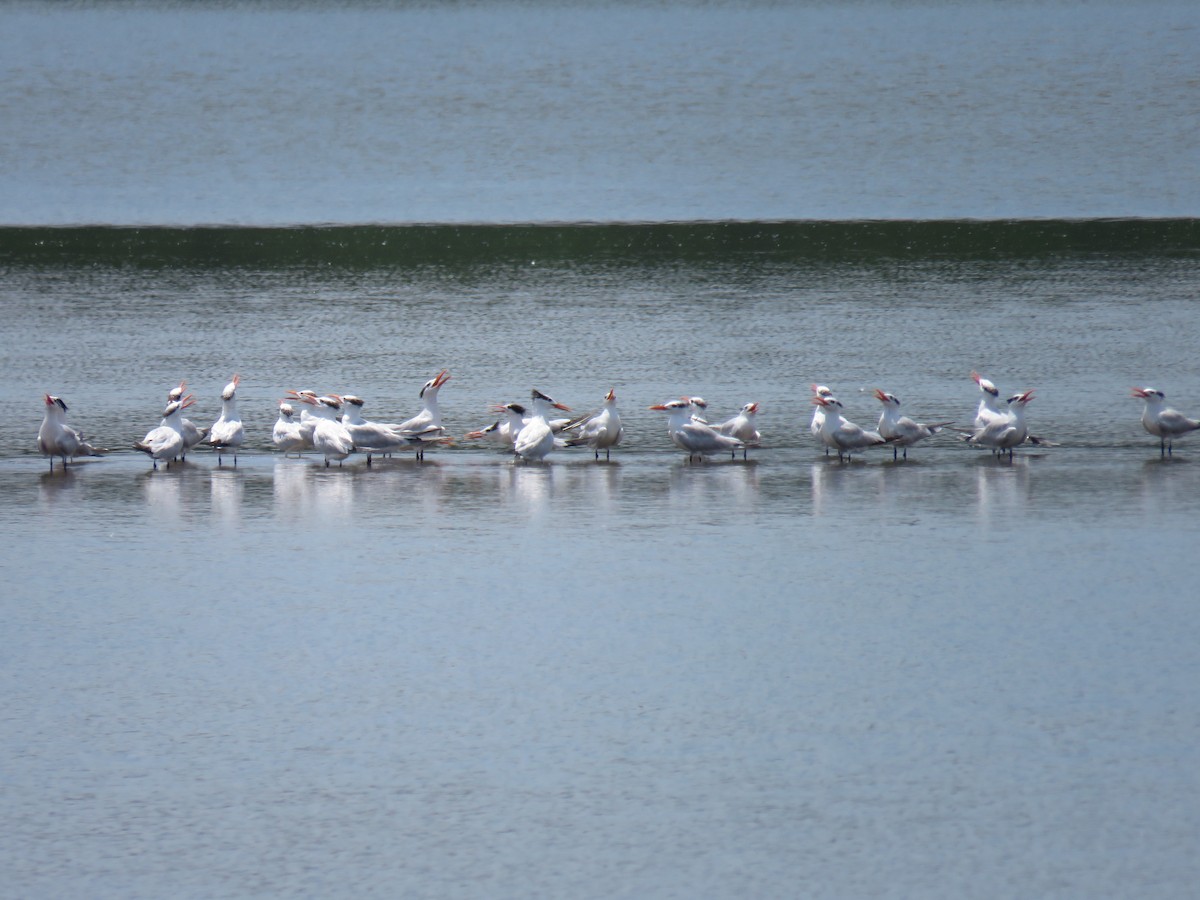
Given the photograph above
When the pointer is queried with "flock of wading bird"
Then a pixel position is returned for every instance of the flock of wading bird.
(333, 426)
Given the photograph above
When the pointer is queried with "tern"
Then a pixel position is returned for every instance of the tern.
(308, 420)
(192, 433)
(166, 442)
(514, 417)
(57, 438)
(371, 437)
(505, 429)
(695, 437)
(818, 416)
(227, 432)
(329, 436)
(426, 426)
(840, 434)
(287, 435)
(601, 430)
(901, 431)
(743, 427)
(990, 408)
(1007, 432)
(1162, 421)
(536, 438)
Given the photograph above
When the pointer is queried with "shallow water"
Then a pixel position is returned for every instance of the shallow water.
(637, 677)
(949, 675)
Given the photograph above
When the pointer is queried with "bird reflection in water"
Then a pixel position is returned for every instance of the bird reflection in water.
(837, 486)
(56, 487)
(533, 487)
(164, 495)
(225, 491)
(730, 486)
(1002, 489)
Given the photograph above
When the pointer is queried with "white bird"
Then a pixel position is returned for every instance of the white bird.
(1162, 421)
(536, 438)
(308, 421)
(695, 437)
(818, 416)
(699, 409)
(166, 441)
(601, 430)
(990, 408)
(840, 434)
(329, 436)
(743, 427)
(192, 433)
(371, 437)
(1005, 433)
(287, 435)
(227, 432)
(901, 431)
(57, 438)
(505, 429)
(425, 427)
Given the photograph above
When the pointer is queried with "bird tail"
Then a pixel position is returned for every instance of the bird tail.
(145, 448)
(576, 423)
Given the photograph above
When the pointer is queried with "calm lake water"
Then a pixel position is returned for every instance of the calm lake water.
(285, 113)
(949, 675)
(781, 676)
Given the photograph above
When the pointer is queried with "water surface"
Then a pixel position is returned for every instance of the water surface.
(942, 676)
(464, 677)
(169, 113)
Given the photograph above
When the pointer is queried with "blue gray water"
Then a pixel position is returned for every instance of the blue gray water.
(786, 675)
(284, 113)
(946, 676)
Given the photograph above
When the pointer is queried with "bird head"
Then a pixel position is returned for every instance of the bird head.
(435, 382)
(985, 385)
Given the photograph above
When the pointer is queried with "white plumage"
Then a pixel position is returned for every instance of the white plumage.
(57, 438)
(840, 434)
(1162, 421)
(536, 438)
(166, 441)
(697, 438)
(227, 433)
(601, 430)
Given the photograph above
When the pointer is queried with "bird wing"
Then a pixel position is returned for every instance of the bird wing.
(531, 436)
(1173, 421)
(697, 436)
(226, 433)
(419, 422)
